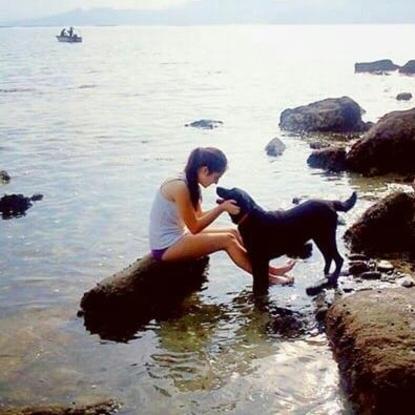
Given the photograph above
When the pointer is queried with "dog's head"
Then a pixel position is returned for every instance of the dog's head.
(242, 199)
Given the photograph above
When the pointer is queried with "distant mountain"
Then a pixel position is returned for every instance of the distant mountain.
(240, 12)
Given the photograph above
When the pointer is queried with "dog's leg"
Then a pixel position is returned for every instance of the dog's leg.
(260, 276)
(323, 244)
(328, 247)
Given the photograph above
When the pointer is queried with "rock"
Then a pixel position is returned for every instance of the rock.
(342, 115)
(275, 147)
(372, 336)
(101, 408)
(377, 67)
(120, 304)
(386, 227)
(318, 145)
(384, 266)
(370, 275)
(358, 257)
(205, 124)
(16, 205)
(408, 68)
(407, 282)
(4, 176)
(331, 159)
(358, 267)
(404, 96)
(388, 147)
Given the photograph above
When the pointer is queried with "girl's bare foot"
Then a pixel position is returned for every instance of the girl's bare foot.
(283, 269)
(281, 279)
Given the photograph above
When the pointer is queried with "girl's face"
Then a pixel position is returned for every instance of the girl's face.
(206, 178)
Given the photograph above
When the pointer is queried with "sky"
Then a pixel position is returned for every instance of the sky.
(22, 9)
(381, 11)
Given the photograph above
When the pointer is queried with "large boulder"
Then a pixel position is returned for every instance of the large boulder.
(337, 115)
(388, 147)
(387, 227)
(372, 336)
(383, 65)
(331, 159)
(408, 68)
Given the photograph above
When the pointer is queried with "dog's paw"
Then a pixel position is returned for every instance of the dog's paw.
(320, 285)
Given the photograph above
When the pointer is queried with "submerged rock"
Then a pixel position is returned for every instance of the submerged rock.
(275, 147)
(16, 205)
(404, 96)
(341, 115)
(372, 336)
(332, 159)
(205, 124)
(388, 147)
(383, 65)
(386, 227)
(101, 408)
(408, 68)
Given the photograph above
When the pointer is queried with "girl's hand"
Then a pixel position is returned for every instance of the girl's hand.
(230, 206)
(237, 235)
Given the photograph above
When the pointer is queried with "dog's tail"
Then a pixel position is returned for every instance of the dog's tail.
(346, 205)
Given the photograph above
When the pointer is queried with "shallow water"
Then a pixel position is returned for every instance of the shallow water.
(95, 127)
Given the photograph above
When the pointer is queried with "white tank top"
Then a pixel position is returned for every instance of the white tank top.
(166, 226)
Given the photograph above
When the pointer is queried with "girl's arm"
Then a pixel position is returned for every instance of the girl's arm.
(194, 219)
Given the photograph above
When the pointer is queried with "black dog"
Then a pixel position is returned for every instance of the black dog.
(268, 235)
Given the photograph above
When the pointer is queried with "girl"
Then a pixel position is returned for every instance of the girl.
(179, 228)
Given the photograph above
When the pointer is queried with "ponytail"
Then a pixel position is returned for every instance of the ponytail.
(210, 157)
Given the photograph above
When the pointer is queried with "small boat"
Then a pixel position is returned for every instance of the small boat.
(69, 39)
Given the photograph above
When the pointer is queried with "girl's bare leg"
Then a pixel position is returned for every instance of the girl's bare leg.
(204, 243)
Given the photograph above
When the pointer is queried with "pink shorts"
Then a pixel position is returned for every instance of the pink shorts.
(158, 253)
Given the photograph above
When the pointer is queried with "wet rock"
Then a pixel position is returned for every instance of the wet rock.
(318, 145)
(101, 408)
(407, 282)
(384, 266)
(16, 205)
(408, 68)
(122, 303)
(358, 267)
(342, 115)
(377, 67)
(372, 336)
(331, 159)
(358, 257)
(388, 147)
(404, 96)
(4, 176)
(205, 124)
(370, 275)
(386, 227)
(275, 147)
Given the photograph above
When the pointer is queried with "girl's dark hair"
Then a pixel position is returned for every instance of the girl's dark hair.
(210, 157)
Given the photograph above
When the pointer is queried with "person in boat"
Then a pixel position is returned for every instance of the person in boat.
(70, 32)
(179, 229)
(63, 32)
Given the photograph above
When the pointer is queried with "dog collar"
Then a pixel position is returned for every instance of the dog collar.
(243, 219)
